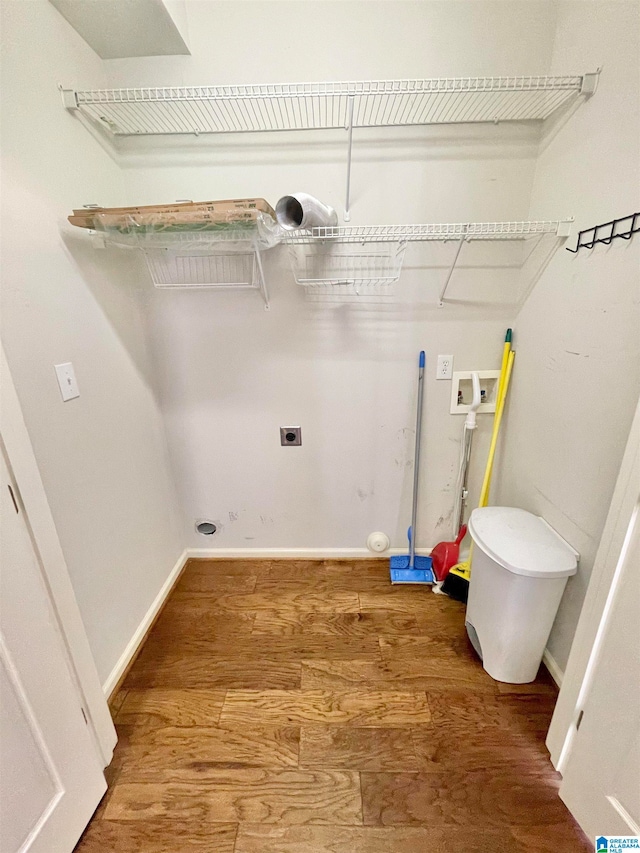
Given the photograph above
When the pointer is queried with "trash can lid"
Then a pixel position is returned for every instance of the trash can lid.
(522, 543)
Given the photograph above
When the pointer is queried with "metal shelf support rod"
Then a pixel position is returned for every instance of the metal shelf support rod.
(347, 204)
(263, 282)
(451, 269)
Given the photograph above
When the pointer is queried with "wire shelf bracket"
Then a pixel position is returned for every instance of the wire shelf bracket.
(316, 106)
(463, 237)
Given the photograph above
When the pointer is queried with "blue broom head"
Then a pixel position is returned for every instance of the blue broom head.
(420, 572)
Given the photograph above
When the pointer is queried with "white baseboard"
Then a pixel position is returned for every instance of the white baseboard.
(296, 553)
(134, 643)
(552, 665)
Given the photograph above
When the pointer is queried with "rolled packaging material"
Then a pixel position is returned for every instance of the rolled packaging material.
(302, 210)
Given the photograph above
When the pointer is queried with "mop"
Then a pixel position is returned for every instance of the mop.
(446, 554)
(456, 583)
(413, 568)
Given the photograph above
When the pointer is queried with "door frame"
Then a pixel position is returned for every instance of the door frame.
(42, 529)
(586, 642)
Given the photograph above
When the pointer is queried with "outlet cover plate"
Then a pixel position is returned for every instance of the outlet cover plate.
(444, 368)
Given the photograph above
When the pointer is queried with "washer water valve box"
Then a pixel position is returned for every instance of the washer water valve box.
(462, 392)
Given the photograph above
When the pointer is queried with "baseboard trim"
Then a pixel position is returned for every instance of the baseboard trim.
(135, 644)
(552, 665)
(295, 553)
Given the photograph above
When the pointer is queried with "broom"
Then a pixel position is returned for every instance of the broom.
(456, 584)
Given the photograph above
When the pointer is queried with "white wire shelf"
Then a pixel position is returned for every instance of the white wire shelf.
(349, 267)
(194, 240)
(170, 269)
(437, 231)
(180, 110)
(353, 293)
(356, 258)
(307, 106)
(199, 259)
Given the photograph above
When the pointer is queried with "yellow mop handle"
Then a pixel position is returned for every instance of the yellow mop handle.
(463, 569)
(504, 387)
(503, 367)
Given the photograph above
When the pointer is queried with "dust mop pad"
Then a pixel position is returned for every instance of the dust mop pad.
(420, 572)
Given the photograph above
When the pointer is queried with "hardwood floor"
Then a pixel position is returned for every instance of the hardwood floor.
(310, 707)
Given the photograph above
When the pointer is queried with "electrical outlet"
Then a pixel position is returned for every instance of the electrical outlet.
(444, 369)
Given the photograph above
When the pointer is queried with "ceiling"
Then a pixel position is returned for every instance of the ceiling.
(116, 29)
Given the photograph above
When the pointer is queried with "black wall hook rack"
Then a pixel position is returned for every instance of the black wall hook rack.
(624, 227)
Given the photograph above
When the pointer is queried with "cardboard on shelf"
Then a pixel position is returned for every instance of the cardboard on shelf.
(183, 213)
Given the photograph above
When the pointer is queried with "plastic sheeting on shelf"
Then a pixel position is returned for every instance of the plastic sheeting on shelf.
(189, 232)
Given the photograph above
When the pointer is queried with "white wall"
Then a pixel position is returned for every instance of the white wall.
(231, 373)
(103, 456)
(578, 365)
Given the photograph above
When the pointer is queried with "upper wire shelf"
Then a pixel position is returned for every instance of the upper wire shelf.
(314, 106)
(308, 106)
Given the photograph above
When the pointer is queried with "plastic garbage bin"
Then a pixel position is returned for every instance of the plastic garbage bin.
(519, 570)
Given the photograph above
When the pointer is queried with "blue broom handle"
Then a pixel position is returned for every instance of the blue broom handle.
(416, 464)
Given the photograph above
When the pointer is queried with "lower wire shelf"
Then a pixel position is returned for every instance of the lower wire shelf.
(340, 260)
(171, 269)
(200, 259)
(335, 267)
(357, 258)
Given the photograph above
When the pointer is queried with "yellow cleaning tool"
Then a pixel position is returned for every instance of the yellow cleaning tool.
(486, 483)
(456, 584)
(506, 349)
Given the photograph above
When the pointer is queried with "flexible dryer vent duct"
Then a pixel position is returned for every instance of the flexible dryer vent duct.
(302, 210)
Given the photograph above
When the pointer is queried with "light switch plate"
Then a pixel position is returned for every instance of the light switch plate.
(67, 381)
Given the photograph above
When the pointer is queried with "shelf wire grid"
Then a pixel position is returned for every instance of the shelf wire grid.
(356, 258)
(419, 233)
(173, 269)
(306, 106)
(199, 258)
(340, 266)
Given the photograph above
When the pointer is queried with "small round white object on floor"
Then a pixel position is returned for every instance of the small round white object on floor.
(378, 542)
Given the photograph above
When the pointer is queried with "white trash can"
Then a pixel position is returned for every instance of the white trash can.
(519, 570)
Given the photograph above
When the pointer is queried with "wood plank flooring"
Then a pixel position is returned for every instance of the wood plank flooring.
(310, 707)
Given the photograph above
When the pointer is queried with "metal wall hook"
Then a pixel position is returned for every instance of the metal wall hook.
(588, 238)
